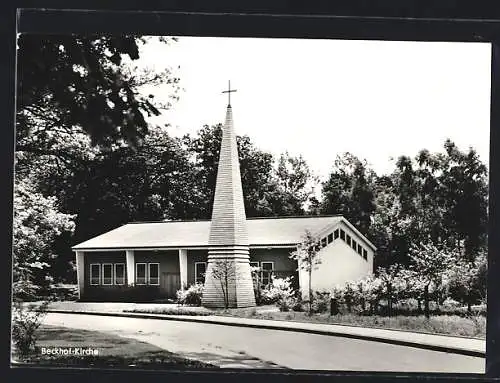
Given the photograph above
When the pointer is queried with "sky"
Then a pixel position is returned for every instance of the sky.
(321, 98)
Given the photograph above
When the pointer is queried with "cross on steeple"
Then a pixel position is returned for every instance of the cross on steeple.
(229, 91)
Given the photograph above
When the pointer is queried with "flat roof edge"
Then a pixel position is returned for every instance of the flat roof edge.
(200, 247)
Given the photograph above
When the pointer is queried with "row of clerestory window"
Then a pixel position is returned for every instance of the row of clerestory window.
(339, 233)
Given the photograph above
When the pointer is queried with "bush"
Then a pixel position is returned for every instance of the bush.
(287, 303)
(350, 295)
(25, 322)
(190, 296)
(321, 302)
(268, 296)
(63, 292)
(298, 304)
(279, 290)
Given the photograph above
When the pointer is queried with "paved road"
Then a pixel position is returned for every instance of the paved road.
(250, 347)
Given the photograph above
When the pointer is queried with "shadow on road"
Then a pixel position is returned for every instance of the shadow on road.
(241, 360)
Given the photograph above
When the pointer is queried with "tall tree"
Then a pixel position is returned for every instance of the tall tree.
(269, 188)
(152, 182)
(72, 80)
(465, 184)
(296, 183)
(350, 191)
(80, 106)
(430, 262)
(468, 282)
(255, 167)
(416, 213)
(37, 222)
(385, 226)
(442, 197)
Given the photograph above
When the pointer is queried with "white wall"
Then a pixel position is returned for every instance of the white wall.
(339, 264)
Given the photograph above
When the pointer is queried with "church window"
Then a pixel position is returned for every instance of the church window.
(353, 245)
(107, 274)
(348, 239)
(365, 254)
(330, 238)
(140, 273)
(154, 274)
(336, 233)
(267, 271)
(360, 249)
(95, 274)
(119, 274)
(200, 268)
(342, 234)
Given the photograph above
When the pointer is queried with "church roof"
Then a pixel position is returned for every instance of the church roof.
(275, 231)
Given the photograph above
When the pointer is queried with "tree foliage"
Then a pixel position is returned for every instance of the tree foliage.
(442, 196)
(349, 191)
(87, 161)
(37, 222)
(429, 263)
(78, 102)
(271, 186)
(72, 80)
(397, 285)
(467, 281)
(308, 259)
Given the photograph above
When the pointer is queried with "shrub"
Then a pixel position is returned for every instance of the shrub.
(450, 303)
(349, 295)
(321, 302)
(287, 303)
(64, 292)
(478, 321)
(25, 321)
(190, 296)
(298, 304)
(467, 281)
(268, 296)
(279, 290)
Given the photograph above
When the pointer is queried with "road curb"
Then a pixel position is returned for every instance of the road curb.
(399, 342)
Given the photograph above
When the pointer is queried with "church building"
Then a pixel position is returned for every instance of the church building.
(163, 257)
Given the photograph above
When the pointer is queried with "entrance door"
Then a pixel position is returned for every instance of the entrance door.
(170, 283)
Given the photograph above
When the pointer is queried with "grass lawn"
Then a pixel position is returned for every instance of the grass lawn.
(113, 351)
(179, 310)
(438, 324)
